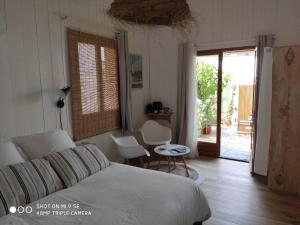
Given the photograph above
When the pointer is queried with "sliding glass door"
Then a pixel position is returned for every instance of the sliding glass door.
(209, 77)
(225, 99)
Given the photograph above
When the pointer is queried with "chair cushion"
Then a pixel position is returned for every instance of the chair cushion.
(26, 182)
(10, 154)
(75, 164)
(39, 145)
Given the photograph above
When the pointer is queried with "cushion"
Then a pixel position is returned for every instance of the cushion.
(75, 164)
(26, 182)
(10, 154)
(39, 145)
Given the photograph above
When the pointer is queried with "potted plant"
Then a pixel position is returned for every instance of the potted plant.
(207, 85)
(206, 115)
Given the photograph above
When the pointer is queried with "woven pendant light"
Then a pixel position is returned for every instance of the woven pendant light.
(151, 12)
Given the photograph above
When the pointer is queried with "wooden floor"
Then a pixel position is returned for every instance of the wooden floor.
(237, 198)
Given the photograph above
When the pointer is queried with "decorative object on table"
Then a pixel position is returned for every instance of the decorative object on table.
(157, 107)
(173, 152)
(178, 150)
(149, 108)
(63, 93)
(136, 71)
(155, 134)
(166, 109)
(167, 12)
(129, 148)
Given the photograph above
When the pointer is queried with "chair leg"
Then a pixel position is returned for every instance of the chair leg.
(142, 162)
(186, 169)
(150, 148)
(148, 162)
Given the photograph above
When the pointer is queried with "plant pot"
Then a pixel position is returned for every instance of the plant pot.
(203, 131)
(208, 130)
(227, 122)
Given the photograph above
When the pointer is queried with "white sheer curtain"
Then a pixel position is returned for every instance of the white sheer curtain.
(264, 114)
(125, 81)
(187, 98)
(262, 105)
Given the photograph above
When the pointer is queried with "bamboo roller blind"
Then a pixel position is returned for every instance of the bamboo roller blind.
(95, 85)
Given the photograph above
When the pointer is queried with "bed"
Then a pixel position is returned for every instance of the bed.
(120, 195)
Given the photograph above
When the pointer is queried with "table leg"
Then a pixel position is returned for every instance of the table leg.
(186, 169)
(169, 164)
(174, 161)
(158, 166)
(148, 162)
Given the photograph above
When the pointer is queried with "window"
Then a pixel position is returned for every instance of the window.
(95, 85)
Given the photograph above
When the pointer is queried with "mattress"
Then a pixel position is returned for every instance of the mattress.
(119, 195)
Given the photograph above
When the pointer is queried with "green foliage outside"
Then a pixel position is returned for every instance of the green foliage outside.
(230, 109)
(207, 85)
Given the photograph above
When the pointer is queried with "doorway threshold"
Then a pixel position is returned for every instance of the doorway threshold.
(242, 156)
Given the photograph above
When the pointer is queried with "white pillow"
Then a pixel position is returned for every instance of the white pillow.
(39, 145)
(10, 154)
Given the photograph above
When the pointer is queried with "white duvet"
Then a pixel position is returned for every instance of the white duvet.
(120, 195)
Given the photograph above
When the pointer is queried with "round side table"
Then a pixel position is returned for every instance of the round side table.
(171, 152)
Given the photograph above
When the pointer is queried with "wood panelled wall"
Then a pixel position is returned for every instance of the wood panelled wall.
(284, 165)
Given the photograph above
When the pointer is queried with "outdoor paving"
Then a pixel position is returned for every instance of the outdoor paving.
(233, 145)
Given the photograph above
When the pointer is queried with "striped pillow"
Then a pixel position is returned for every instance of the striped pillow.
(26, 182)
(74, 164)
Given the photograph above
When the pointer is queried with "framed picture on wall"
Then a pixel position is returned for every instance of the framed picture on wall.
(136, 71)
(2, 17)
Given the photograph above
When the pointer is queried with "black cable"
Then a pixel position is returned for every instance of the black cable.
(60, 119)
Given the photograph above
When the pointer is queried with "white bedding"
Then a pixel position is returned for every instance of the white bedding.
(124, 195)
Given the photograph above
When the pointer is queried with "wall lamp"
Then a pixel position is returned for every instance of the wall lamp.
(63, 93)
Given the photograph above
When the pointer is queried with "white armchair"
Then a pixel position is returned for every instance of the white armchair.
(155, 134)
(129, 148)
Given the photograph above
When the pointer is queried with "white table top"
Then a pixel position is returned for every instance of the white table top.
(164, 150)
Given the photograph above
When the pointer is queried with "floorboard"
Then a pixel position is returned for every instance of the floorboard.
(237, 198)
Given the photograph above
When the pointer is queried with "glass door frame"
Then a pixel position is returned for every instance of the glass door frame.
(207, 148)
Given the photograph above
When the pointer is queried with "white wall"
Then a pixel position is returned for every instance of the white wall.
(233, 23)
(34, 63)
(33, 52)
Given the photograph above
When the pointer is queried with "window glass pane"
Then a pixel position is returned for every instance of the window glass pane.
(207, 82)
(88, 78)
